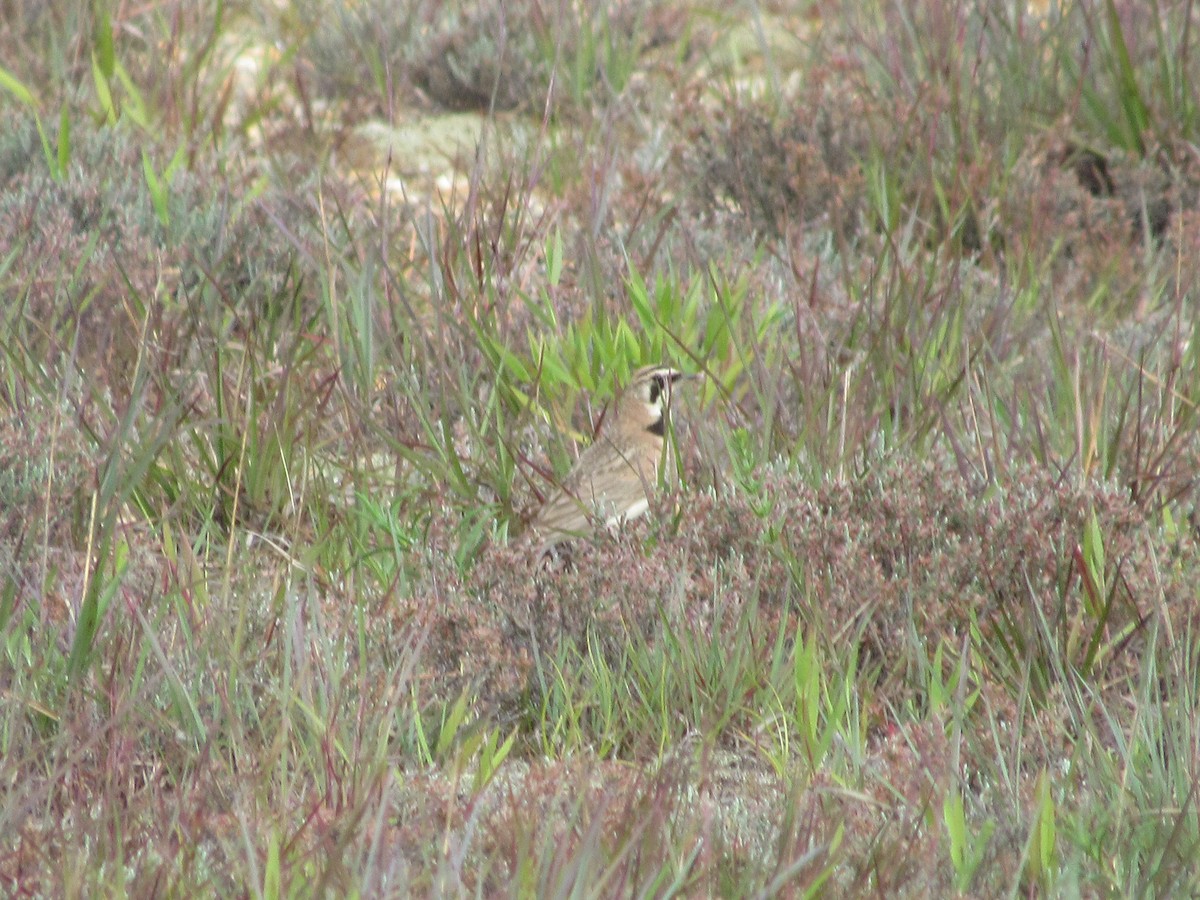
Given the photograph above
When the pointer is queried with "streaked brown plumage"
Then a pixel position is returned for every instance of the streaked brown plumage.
(610, 481)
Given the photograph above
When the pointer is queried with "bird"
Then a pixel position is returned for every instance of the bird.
(611, 481)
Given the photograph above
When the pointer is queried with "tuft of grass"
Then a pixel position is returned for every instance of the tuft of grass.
(917, 614)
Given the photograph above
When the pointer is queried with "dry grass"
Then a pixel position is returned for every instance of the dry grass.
(916, 613)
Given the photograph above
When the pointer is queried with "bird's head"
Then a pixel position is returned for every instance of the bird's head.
(644, 404)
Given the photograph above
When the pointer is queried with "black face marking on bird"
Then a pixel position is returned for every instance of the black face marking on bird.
(660, 384)
(656, 387)
(658, 427)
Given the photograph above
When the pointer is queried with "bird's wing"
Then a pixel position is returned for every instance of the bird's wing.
(599, 487)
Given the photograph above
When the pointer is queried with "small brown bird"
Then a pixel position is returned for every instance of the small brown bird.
(612, 478)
